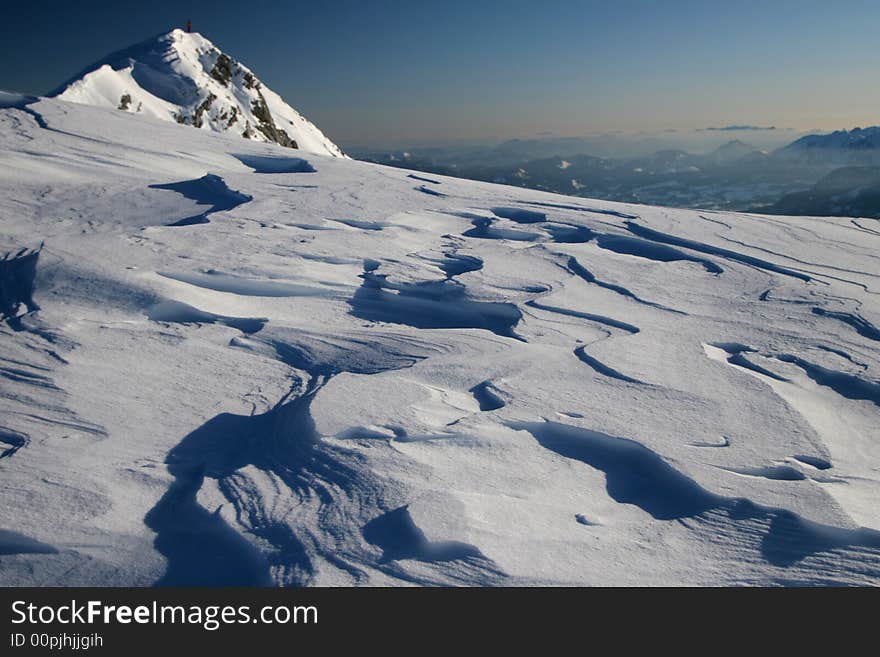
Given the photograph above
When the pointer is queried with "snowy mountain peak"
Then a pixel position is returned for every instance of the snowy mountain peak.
(183, 77)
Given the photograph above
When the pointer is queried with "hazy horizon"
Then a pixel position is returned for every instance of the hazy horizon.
(388, 73)
(697, 141)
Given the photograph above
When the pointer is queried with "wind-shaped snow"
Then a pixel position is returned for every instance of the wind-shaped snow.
(226, 362)
(183, 77)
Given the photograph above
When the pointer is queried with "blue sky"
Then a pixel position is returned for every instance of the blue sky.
(392, 71)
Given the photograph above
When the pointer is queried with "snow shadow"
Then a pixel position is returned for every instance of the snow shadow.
(14, 543)
(592, 317)
(636, 475)
(651, 251)
(399, 537)
(520, 215)
(275, 164)
(862, 326)
(200, 547)
(429, 191)
(845, 385)
(18, 273)
(587, 276)
(181, 313)
(559, 232)
(633, 473)
(431, 305)
(486, 396)
(362, 224)
(791, 538)
(569, 234)
(581, 208)
(815, 461)
(602, 368)
(736, 355)
(14, 441)
(220, 282)
(208, 190)
(657, 236)
(484, 229)
(454, 264)
(324, 355)
(423, 179)
(773, 472)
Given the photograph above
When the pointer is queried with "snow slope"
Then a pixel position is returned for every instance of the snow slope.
(227, 364)
(183, 77)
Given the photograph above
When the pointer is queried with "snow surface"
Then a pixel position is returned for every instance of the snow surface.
(228, 365)
(185, 78)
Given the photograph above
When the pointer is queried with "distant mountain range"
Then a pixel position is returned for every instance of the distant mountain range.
(798, 178)
(859, 146)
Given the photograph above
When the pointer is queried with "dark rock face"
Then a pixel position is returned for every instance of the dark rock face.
(230, 117)
(267, 123)
(201, 109)
(223, 70)
(195, 119)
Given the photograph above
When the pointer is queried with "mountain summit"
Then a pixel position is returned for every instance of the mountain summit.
(183, 77)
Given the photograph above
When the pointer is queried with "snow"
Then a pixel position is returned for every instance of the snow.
(347, 374)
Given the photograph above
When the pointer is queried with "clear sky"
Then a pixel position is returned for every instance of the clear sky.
(374, 71)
